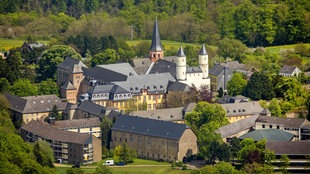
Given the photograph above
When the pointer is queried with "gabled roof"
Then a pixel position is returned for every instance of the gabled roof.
(149, 127)
(238, 126)
(91, 108)
(123, 68)
(51, 133)
(141, 65)
(286, 69)
(216, 70)
(168, 114)
(242, 108)
(232, 65)
(104, 75)
(152, 82)
(72, 65)
(108, 88)
(178, 86)
(289, 148)
(163, 66)
(77, 123)
(156, 43)
(35, 104)
(189, 107)
(68, 85)
(286, 122)
(269, 135)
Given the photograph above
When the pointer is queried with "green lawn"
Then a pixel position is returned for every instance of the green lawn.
(139, 166)
(132, 169)
(276, 49)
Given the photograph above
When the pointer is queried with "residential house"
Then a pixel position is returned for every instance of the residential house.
(154, 139)
(25, 109)
(241, 110)
(289, 71)
(86, 125)
(68, 147)
(291, 125)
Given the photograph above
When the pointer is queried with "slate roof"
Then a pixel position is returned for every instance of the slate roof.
(123, 68)
(269, 135)
(238, 126)
(68, 85)
(216, 70)
(104, 75)
(149, 127)
(35, 104)
(77, 123)
(108, 88)
(286, 122)
(169, 114)
(286, 69)
(152, 82)
(203, 50)
(242, 108)
(72, 65)
(232, 65)
(164, 66)
(189, 107)
(193, 70)
(156, 43)
(178, 86)
(141, 65)
(289, 148)
(49, 132)
(91, 108)
(181, 52)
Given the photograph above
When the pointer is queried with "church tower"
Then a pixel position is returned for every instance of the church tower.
(203, 62)
(156, 50)
(181, 65)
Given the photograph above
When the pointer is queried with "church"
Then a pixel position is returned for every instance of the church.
(175, 65)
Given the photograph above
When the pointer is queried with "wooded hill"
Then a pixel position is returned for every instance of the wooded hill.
(254, 22)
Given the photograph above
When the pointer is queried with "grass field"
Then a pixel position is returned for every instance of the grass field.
(276, 49)
(7, 44)
(139, 166)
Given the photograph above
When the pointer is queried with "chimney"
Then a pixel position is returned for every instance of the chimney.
(51, 120)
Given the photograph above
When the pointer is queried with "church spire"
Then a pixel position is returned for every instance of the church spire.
(156, 49)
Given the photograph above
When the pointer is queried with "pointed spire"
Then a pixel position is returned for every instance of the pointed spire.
(156, 43)
(181, 52)
(203, 50)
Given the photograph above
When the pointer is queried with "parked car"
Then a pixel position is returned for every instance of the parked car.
(121, 163)
(109, 162)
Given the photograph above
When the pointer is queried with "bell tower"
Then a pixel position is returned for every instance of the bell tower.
(181, 65)
(156, 50)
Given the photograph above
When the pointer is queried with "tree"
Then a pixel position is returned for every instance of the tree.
(55, 114)
(103, 169)
(236, 84)
(206, 113)
(259, 87)
(23, 87)
(108, 56)
(106, 126)
(53, 57)
(221, 92)
(285, 162)
(275, 108)
(47, 87)
(43, 153)
(124, 154)
(4, 85)
(232, 48)
(235, 147)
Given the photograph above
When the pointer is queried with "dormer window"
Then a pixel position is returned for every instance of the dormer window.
(161, 86)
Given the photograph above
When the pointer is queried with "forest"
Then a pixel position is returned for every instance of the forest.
(253, 22)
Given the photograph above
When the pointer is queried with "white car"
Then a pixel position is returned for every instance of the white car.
(109, 162)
